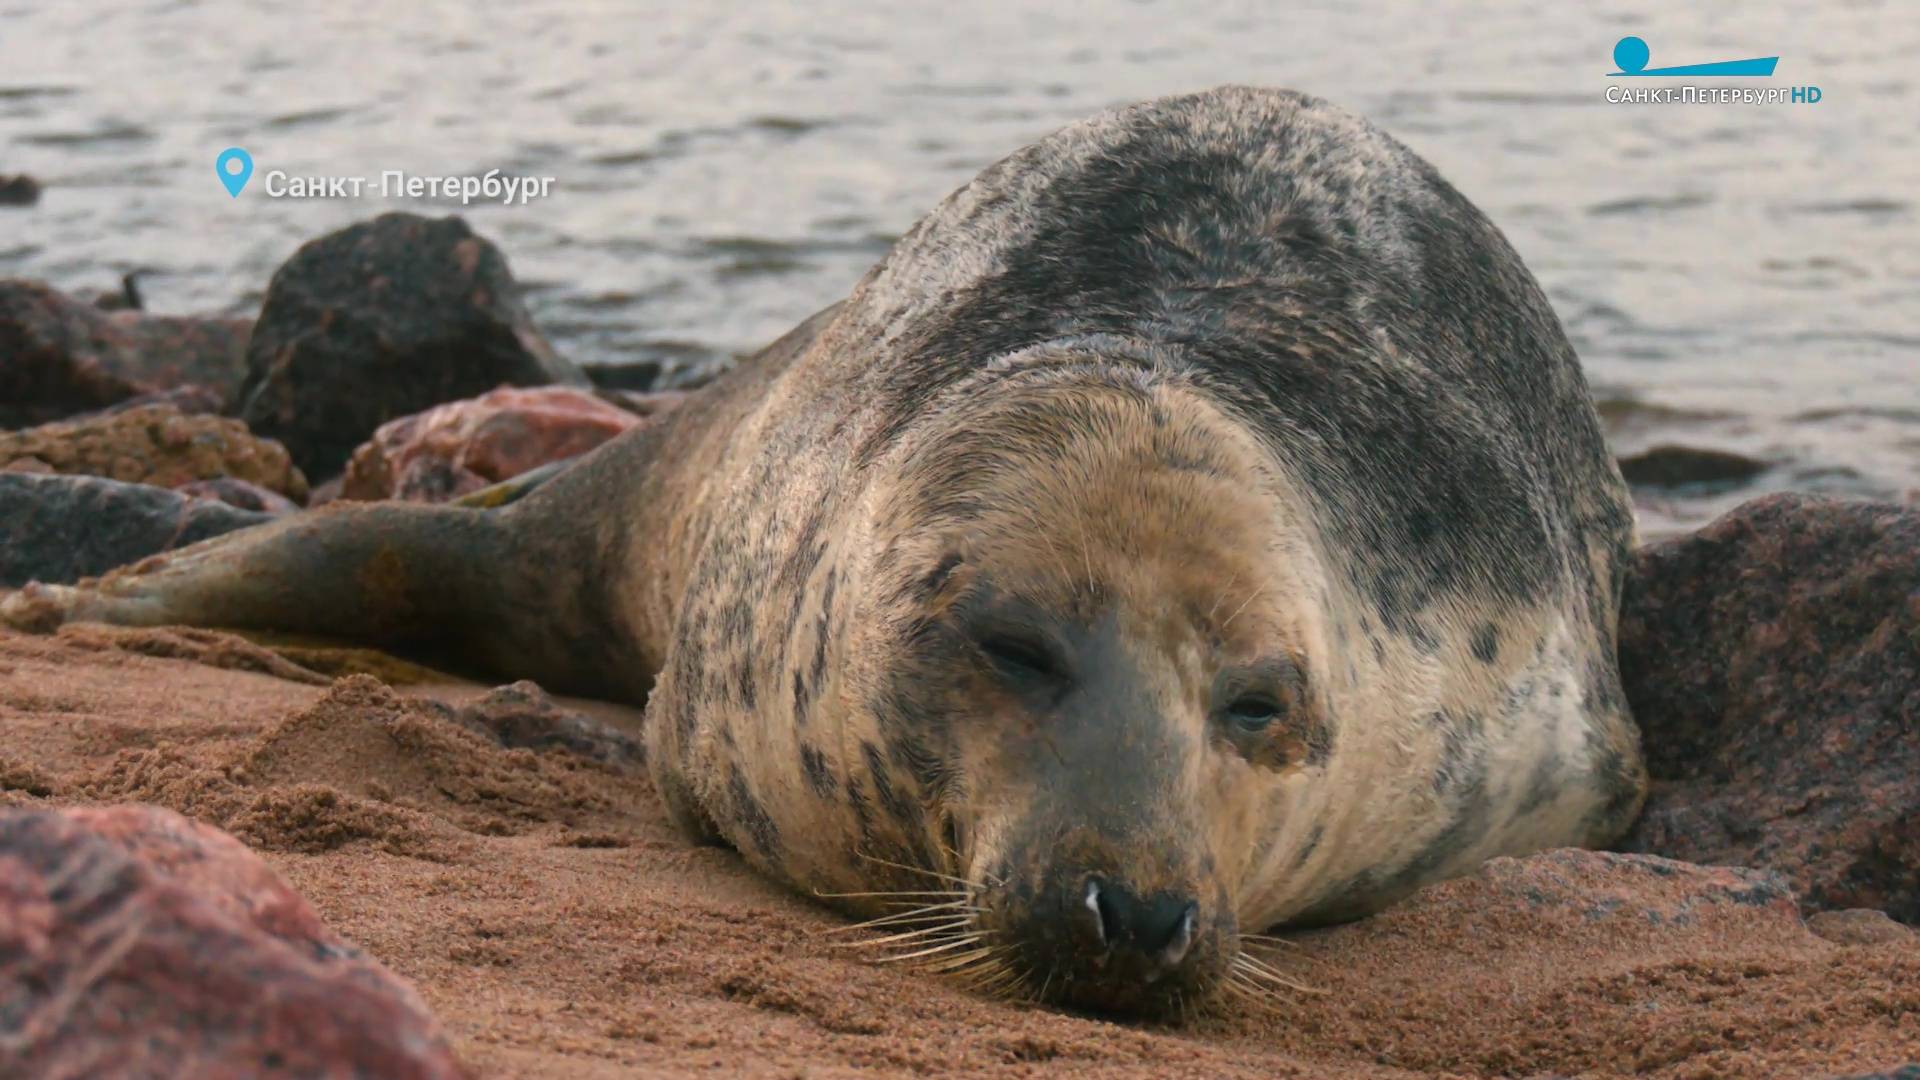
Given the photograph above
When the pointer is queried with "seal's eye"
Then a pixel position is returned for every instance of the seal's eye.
(1252, 714)
(1019, 656)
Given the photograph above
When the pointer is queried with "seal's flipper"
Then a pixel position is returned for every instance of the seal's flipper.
(438, 580)
(383, 573)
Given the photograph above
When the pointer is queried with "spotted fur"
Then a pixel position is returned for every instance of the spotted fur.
(1214, 396)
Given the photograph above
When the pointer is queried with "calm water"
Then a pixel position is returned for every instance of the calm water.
(1738, 277)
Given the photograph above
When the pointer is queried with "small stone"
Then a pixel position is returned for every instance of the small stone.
(1858, 926)
(19, 190)
(522, 715)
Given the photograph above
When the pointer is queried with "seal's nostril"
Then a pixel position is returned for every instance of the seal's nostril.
(1182, 940)
(1161, 928)
(1093, 902)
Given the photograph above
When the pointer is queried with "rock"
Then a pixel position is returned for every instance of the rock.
(640, 376)
(157, 445)
(137, 941)
(1679, 466)
(651, 403)
(191, 400)
(59, 529)
(1904, 1072)
(1857, 926)
(1773, 662)
(60, 356)
(240, 493)
(451, 450)
(325, 493)
(1572, 884)
(19, 190)
(126, 298)
(382, 320)
(522, 715)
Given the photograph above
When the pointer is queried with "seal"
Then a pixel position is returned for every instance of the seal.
(1198, 524)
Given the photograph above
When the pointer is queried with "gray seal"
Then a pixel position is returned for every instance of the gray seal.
(1198, 524)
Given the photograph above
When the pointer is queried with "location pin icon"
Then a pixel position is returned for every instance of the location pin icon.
(235, 167)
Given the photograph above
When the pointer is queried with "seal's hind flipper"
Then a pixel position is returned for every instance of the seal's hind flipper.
(383, 573)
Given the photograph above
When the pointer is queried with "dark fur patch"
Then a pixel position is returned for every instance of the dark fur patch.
(1544, 784)
(818, 772)
(1313, 844)
(895, 802)
(761, 830)
(1460, 753)
(1486, 643)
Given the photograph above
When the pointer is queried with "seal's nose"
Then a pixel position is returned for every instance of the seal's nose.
(1159, 929)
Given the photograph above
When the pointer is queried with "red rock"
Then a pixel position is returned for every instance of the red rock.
(135, 941)
(451, 450)
(381, 320)
(1772, 660)
(60, 356)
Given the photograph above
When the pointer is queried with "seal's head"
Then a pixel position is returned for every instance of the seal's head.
(1089, 644)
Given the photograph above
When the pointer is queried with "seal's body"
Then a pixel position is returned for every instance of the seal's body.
(1198, 523)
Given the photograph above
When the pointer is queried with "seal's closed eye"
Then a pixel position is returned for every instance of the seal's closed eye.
(1020, 655)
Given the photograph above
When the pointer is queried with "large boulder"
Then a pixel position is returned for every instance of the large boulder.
(59, 529)
(60, 356)
(453, 449)
(136, 942)
(153, 444)
(1773, 662)
(381, 320)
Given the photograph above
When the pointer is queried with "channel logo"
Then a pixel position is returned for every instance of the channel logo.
(1632, 54)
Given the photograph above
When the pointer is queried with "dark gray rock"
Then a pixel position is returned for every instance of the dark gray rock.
(1773, 662)
(239, 493)
(19, 190)
(1684, 466)
(59, 529)
(382, 320)
(60, 356)
(522, 715)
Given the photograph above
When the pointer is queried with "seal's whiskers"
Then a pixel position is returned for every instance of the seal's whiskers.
(932, 949)
(906, 935)
(1258, 972)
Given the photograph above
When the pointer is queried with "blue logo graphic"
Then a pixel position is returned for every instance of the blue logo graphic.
(1632, 54)
(235, 167)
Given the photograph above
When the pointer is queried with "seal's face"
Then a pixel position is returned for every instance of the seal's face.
(1096, 668)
